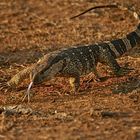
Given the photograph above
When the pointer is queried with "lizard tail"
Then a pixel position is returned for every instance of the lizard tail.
(119, 46)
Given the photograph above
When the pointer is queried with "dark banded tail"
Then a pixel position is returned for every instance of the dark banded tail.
(120, 46)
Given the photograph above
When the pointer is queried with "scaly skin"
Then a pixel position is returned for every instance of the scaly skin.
(79, 60)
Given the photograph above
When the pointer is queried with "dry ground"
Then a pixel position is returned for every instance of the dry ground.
(100, 111)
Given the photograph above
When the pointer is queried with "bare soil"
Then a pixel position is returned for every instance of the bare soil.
(108, 110)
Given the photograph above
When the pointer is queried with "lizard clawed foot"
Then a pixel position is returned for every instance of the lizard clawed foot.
(123, 71)
(27, 94)
(74, 91)
(98, 79)
(101, 79)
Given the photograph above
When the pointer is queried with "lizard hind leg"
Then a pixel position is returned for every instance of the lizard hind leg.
(106, 57)
(109, 60)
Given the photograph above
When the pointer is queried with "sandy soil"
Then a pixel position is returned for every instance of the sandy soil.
(101, 110)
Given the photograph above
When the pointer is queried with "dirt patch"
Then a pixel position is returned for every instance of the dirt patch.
(101, 110)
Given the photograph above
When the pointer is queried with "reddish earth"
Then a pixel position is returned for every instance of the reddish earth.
(101, 110)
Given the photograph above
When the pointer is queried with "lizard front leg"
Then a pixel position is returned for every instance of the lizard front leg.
(75, 83)
(98, 78)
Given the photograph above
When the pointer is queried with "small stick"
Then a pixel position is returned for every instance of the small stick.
(96, 7)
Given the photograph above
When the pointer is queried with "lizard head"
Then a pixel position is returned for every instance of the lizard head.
(39, 74)
(39, 77)
(45, 73)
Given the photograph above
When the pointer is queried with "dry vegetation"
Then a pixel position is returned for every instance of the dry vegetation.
(101, 110)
